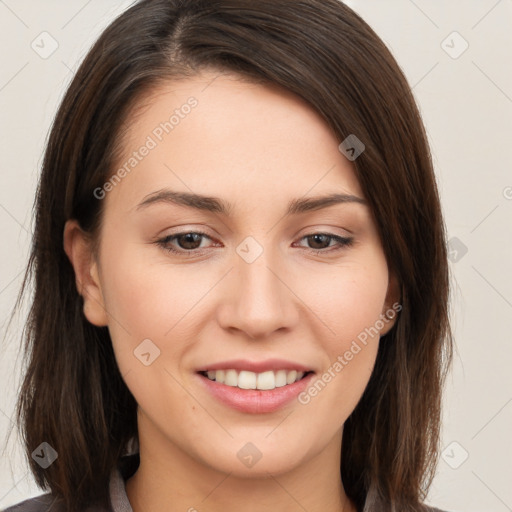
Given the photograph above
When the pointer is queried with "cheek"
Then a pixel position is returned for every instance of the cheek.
(145, 301)
(151, 302)
(347, 298)
(349, 302)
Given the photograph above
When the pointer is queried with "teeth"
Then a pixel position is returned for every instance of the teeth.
(250, 380)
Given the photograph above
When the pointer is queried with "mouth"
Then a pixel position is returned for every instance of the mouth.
(263, 381)
(255, 393)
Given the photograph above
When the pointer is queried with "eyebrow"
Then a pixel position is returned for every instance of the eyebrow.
(217, 205)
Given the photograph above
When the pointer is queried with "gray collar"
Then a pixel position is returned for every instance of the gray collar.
(118, 497)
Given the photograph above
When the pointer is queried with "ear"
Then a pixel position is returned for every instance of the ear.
(78, 247)
(391, 304)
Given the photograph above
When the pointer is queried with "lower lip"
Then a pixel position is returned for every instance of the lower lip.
(255, 401)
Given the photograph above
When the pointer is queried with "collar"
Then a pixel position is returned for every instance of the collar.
(127, 466)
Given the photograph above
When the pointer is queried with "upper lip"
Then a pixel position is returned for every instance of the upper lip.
(256, 366)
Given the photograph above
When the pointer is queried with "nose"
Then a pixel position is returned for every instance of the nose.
(258, 298)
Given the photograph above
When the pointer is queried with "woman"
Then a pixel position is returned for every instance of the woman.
(241, 281)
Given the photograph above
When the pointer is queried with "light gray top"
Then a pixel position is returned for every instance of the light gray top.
(118, 497)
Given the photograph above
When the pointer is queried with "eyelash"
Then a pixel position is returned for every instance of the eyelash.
(342, 242)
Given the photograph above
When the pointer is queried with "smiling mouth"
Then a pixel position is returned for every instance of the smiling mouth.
(250, 380)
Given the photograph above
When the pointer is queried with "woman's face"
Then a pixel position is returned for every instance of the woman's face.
(255, 287)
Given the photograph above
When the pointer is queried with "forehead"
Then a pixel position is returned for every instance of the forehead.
(219, 135)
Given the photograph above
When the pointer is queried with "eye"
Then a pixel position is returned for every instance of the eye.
(320, 239)
(188, 241)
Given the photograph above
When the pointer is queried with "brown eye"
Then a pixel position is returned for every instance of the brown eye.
(320, 242)
(187, 242)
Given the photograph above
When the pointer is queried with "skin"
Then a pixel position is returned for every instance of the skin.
(259, 147)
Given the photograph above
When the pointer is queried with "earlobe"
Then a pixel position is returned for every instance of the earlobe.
(78, 248)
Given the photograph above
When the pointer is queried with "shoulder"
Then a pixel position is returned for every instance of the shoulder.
(127, 465)
(43, 503)
(434, 509)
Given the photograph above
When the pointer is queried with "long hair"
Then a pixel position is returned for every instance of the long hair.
(73, 396)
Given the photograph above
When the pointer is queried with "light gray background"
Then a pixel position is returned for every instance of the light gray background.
(466, 103)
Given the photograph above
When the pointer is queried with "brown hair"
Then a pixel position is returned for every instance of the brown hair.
(73, 396)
